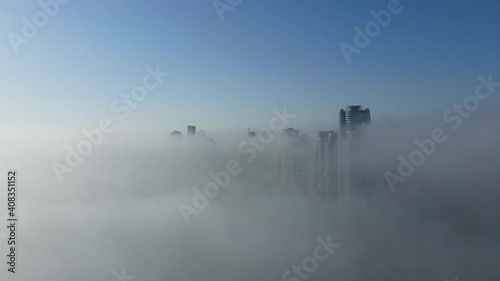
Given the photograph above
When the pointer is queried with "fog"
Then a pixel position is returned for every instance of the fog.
(120, 209)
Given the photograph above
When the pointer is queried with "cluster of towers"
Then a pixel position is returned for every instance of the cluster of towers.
(334, 169)
(193, 137)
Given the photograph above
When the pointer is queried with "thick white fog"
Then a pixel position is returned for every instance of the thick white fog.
(120, 209)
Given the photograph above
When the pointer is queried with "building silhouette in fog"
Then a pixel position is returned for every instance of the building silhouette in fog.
(202, 134)
(206, 143)
(191, 132)
(294, 159)
(176, 134)
(313, 188)
(352, 173)
(176, 139)
(327, 165)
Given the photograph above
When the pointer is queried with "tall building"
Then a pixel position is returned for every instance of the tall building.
(201, 134)
(353, 177)
(176, 140)
(207, 143)
(327, 165)
(312, 181)
(294, 159)
(176, 134)
(352, 174)
(191, 132)
(353, 117)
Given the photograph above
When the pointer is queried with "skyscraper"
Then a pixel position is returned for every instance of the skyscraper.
(176, 139)
(175, 134)
(353, 117)
(312, 182)
(191, 132)
(352, 173)
(294, 159)
(327, 170)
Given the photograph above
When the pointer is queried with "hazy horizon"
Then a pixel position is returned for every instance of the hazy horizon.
(282, 178)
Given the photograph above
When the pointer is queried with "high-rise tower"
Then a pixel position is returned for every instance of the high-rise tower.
(176, 139)
(294, 159)
(191, 132)
(351, 169)
(327, 170)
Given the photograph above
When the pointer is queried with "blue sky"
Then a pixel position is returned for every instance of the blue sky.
(230, 74)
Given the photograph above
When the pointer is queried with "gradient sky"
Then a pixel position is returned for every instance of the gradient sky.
(232, 73)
